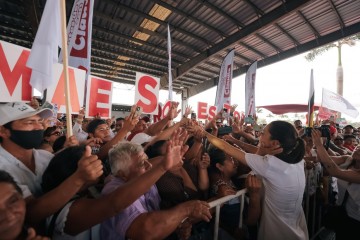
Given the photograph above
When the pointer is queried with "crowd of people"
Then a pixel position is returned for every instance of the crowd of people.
(128, 178)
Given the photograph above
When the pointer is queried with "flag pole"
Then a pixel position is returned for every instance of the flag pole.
(311, 101)
(65, 68)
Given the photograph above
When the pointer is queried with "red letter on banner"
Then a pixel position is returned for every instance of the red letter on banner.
(11, 78)
(58, 96)
(100, 92)
(202, 110)
(237, 115)
(146, 80)
(158, 116)
(212, 112)
(166, 109)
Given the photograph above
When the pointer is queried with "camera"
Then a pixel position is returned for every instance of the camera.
(224, 130)
(139, 110)
(249, 119)
(193, 115)
(324, 129)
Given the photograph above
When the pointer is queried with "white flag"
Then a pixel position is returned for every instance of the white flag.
(223, 93)
(336, 102)
(44, 51)
(79, 33)
(250, 90)
(169, 64)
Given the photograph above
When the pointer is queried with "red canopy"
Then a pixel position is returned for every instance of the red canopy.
(288, 108)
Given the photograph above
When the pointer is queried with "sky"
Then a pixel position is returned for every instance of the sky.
(283, 82)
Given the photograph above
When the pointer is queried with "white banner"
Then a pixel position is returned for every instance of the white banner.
(147, 92)
(250, 90)
(44, 51)
(336, 102)
(79, 30)
(15, 79)
(223, 93)
(55, 92)
(99, 97)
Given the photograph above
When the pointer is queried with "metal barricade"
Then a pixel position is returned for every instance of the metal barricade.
(217, 204)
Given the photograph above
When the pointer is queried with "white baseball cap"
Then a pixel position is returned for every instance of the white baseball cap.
(141, 138)
(18, 110)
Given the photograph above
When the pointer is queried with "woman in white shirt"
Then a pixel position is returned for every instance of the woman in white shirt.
(283, 178)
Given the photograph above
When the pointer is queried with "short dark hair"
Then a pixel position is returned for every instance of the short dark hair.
(59, 143)
(94, 124)
(49, 130)
(5, 177)
(154, 149)
(61, 166)
(120, 118)
(347, 136)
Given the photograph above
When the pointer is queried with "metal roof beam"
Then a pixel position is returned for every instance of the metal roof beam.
(147, 62)
(253, 49)
(341, 22)
(135, 50)
(162, 23)
(188, 16)
(112, 74)
(316, 33)
(192, 78)
(256, 9)
(109, 72)
(25, 42)
(194, 71)
(120, 80)
(136, 67)
(243, 57)
(268, 42)
(144, 30)
(323, 40)
(131, 39)
(255, 26)
(296, 42)
(207, 70)
(222, 13)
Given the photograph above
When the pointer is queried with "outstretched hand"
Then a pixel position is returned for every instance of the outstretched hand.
(273, 150)
(175, 149)
(316, 137)
(131, 120)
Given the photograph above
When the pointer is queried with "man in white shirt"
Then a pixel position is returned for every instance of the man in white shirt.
(21, 132)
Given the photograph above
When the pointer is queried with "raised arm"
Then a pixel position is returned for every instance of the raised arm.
(226, 147)
(332, 168)
(84, 215)
(160, 224)
(247, 147)
(157, 127)
(89, 169)
(129, 124)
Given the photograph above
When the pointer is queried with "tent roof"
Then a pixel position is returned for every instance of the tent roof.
(288, 108)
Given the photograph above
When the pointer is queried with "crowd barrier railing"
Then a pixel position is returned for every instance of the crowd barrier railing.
(311, 206)
(217, 205)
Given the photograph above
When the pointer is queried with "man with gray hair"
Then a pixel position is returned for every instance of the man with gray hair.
(143, 218)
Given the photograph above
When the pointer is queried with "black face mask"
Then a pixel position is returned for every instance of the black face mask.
(27, 139)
